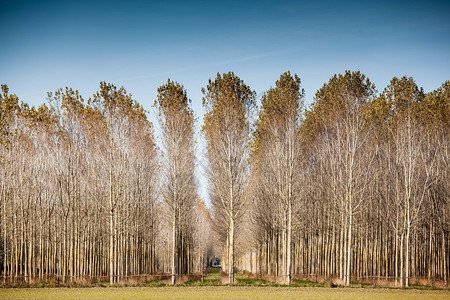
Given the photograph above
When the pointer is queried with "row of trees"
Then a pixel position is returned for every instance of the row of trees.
(80, 194)
(357, 187)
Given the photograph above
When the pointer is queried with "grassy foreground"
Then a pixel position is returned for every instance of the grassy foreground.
(219, 292)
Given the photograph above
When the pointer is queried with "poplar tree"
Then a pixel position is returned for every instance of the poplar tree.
(228, 102)
(276, 154)
(177, 123)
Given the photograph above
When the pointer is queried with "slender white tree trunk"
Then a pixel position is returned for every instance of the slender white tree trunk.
(231, 252)
(111, 225)
(174, 254)
(288, 242)
(349, 249)
(402, 272)
(408, 232)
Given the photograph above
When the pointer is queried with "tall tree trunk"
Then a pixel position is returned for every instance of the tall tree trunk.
(444, 257)
(111, 223)
(349, 248)
(231, 252)
(402, 271)
(174, 250)
(407, 258)
(288, 242)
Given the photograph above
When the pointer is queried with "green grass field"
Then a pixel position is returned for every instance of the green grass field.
(219, 292)
(211, 287)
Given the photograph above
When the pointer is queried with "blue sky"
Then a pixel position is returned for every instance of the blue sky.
(46, 45)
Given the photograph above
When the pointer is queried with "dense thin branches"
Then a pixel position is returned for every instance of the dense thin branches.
(356, 187)
(374, 193)
(80, 192)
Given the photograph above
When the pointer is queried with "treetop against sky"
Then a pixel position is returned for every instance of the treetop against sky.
(139, 44)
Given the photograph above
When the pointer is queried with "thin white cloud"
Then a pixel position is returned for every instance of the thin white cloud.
(215, 64)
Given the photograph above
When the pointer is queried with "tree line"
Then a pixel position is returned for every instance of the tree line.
(82, 193)
(353, 187)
